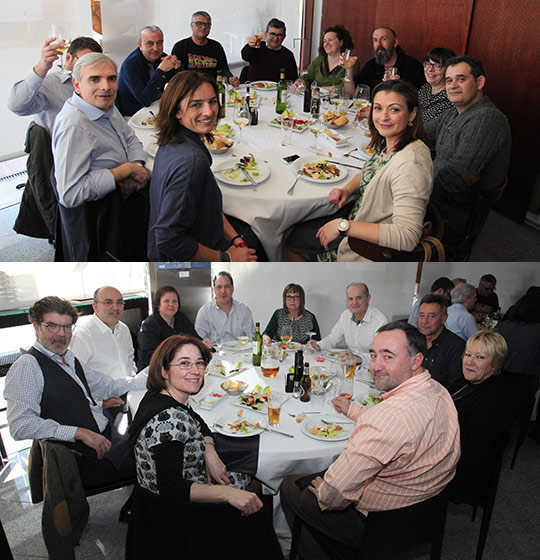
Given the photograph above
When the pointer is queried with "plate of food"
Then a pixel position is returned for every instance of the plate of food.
(367, 400)
(235, 98)
(219, 144)
(257, 400)
(335, 138)
(212, 399)
(334, 119)
(319, 170)
(234, 346)
(239, 426)
(144, 120)
(289, 345)
(299, 125)
(226, 129)
(333, 428)
(230, 172)
(264, 86)
(225, 368)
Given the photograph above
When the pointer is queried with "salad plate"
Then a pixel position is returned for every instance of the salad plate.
(333, 429)
(225, 368)
(229, 172)
(264, 85)
(240, 426)
(257, 400)
(319, 171)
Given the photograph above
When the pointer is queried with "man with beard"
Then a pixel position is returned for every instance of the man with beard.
(388, 54)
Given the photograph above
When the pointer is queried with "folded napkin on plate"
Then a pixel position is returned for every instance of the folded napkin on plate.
(238, 454)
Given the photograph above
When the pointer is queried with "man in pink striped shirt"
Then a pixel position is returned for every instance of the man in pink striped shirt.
(402, 451)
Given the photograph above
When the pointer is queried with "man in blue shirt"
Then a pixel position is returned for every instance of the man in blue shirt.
(98, 162)
(145, 72)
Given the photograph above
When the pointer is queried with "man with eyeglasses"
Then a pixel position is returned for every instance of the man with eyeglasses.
(145, 72)
(50, 395)
(487, 300)
(266, 60)
(103, 343)
(198, 52)
(356, 326)
(42, 94)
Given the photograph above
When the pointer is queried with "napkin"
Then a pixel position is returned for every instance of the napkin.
(238, 454)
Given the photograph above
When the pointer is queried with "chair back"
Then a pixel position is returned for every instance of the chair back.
(430, 247)
(391, 532)
(5, 550)
(481, 203)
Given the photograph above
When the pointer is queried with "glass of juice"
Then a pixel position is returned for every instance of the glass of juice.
(274, 410)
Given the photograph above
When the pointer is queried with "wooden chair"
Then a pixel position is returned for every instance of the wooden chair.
(481, 203)
(408, 527)
(430, 247)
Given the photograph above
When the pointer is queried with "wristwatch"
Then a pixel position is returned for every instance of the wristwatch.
(343, 226)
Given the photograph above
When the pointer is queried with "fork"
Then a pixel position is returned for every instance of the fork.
(349, 153)
(299, 174)
(310, 412)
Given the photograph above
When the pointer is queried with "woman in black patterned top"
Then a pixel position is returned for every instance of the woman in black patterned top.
(293, 316)
(179, 472)
(432, 96)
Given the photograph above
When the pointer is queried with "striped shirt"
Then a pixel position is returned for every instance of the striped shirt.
(401, 452)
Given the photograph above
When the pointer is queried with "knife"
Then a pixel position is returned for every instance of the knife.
(275, 431)
(344, 164)
(247, 175)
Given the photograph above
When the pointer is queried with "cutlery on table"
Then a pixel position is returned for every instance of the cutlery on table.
(246, 174)
(299, 174)
(310, 412)
(344, 164)
(339, 422)
(349, 153)
(262, 428)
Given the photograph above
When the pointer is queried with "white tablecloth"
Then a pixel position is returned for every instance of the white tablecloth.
(279, 455)
(266, 207)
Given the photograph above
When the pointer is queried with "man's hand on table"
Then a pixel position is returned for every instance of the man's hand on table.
(315, 483)
(341, 404)
(100, 444)
(215, 469)
(328, 233)
(112, 402)
(169, 62)
(48, 55)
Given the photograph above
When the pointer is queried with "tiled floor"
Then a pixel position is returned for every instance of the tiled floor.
(514, 534)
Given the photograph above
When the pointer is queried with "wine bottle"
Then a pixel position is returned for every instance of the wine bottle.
(256, 342)
(221, 92)
(306, 384)
(307, 97)
(281, 95)
(298, 365)
(315, 103)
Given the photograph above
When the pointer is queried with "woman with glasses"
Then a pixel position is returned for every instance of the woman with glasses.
(166, 320)
(292, 318)
(184, 492)
(432, 96)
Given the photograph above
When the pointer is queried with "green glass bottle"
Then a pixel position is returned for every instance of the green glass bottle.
(281, 94)
(221, 91)
(257, 345)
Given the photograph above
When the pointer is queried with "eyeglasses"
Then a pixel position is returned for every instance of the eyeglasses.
(487, 288)
(111, 302)
(186, 365)
(292, 297)
(53, 328)
(276, 34)
(202, 24)
(434, 65)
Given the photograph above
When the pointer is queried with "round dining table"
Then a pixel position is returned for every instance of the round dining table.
(279, 455)
(266, 207)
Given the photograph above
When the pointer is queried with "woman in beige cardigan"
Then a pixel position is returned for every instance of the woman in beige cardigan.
(393, 188)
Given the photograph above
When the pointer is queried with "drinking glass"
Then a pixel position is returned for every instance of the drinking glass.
(316, 128)
(347, 62)
(216, 341)
(285, 334)
(360, 100)
(240, 119)
(61, 32)
(274, 410)
(258, 36)
(287, 122)
(270, 361)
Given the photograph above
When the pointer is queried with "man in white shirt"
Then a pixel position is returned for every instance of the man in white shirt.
(460, 321)
(224, 315)
(356, 326)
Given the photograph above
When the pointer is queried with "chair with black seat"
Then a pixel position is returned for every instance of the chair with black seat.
(410, 526)
(430, 247)
(481, 203)
(5, 549)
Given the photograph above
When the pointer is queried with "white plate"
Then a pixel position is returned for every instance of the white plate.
(241, 181)
(298, 130)
(227, 366)
(361, 397)
(264, 407)
(252, 102)
(313, 421)
(138, 120)
(152, 149)
(209, 402)
(229, 418)
(309, 159)
(235, 346)
(271, 86)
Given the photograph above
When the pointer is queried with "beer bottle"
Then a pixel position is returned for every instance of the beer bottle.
(306, 384)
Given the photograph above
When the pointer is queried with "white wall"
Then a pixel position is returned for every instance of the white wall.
(260, 285)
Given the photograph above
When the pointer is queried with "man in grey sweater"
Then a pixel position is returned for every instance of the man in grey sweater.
(472, 143)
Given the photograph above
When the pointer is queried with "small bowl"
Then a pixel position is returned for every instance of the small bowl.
(234, 388)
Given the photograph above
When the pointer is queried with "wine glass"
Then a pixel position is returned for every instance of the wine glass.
(216, 341)
(315, 128)
(347, 62)
(60, 32)
(360, 98)
(309, 348)
(240, 119)
(285, 333)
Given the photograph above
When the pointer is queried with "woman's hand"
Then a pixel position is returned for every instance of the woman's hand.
(242, 254)
(341, 404)
(266, 340)
(328, 233)
(338, 196)
(215, 469)
(245, 502)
